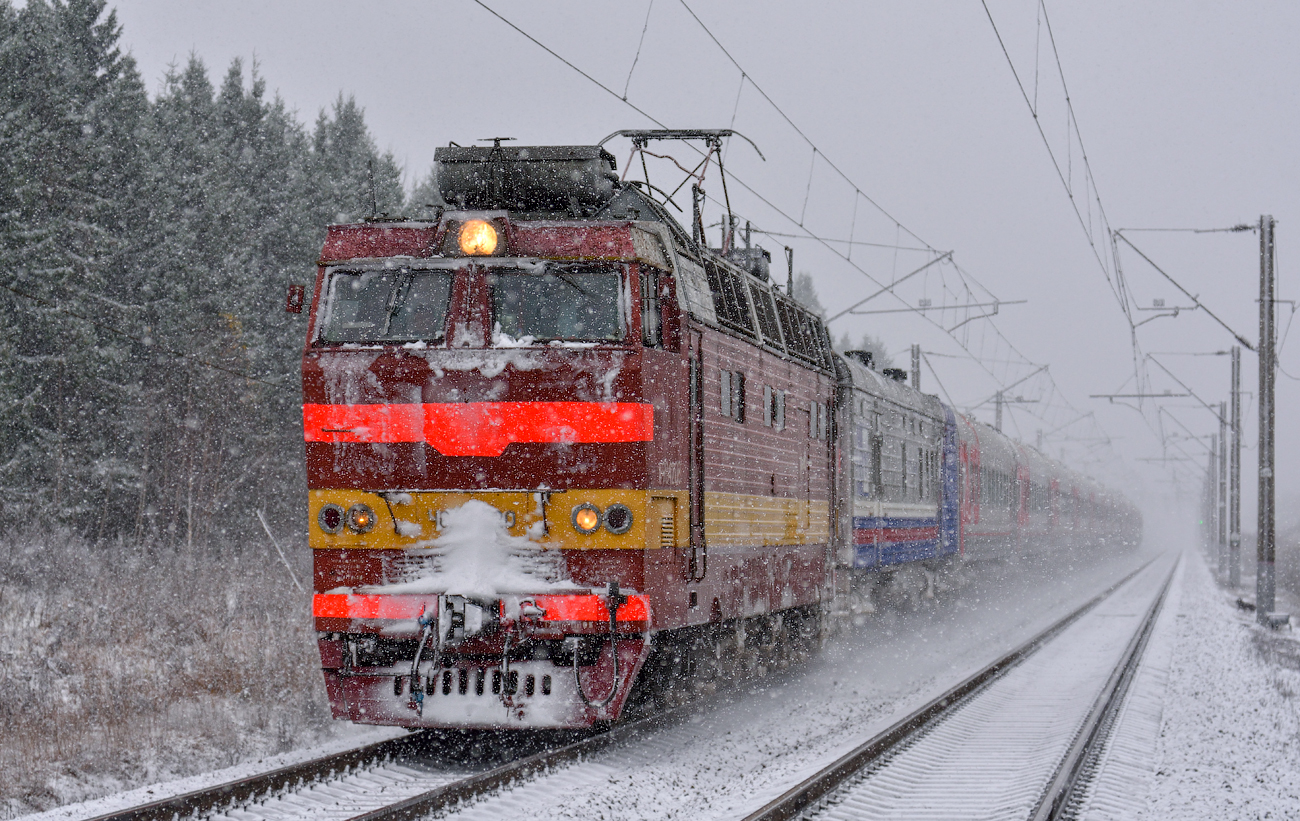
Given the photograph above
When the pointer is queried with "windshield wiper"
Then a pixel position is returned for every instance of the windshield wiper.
(566, 278)
(397, 296)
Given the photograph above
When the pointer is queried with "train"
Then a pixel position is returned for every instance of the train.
(566, 463)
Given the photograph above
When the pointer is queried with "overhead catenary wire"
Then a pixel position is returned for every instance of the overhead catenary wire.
(849, 241)
(1231, 229)
(635, 59)
(1113, 272)
(1073, 126)
(807, 234)
(815, 152)
(802, 134)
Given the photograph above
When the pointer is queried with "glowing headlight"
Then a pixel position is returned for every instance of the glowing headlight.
(478, 238)
(618, 518)
(586, 518)
(360, 518)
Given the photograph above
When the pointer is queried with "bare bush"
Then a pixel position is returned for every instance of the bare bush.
(123, 664)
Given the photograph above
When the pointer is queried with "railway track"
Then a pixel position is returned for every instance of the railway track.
(403, 778)
(1013, 740)
(421, 774)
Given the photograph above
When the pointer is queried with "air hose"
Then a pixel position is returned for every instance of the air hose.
(613, 601)
(429, 625)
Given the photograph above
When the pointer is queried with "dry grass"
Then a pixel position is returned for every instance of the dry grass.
(122, 665)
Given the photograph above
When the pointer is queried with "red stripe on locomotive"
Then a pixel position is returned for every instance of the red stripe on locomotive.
(480, 428)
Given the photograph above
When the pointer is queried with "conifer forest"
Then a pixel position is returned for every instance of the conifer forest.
(149, 403)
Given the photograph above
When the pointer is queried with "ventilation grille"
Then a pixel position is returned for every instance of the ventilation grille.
(400, 566)
(667, 528)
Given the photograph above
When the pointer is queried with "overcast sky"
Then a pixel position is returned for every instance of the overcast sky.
(1187, 112)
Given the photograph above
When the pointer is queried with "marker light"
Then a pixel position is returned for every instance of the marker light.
(618, 518)
(361, 519)
(478, 238)
(330, 518)
(586, 518)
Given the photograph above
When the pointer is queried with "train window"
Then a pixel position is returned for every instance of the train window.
(766, 310)
(733, 395)
(387, 306)
(773, 408)
(563, 302)
(651, 320)
(729, 300)
(922, 478)
(877, 473)
(902, 468)
(818, 420)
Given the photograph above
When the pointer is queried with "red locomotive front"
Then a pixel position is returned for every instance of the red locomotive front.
(506, 457)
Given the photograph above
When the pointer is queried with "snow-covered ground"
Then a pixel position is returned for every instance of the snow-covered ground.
(123, 665)
(1211, 729)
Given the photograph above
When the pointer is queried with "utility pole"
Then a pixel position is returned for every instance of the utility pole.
(1211, 499)
(1234, 477)
(1221, 493)
(916, 367)
(1264, 578)
(997, 417)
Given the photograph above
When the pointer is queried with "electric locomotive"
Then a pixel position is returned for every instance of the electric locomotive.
(650, 418)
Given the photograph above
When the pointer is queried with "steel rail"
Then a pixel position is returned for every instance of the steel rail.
(220, 796)
(805, 795)
(466, 789)
(1056, 801)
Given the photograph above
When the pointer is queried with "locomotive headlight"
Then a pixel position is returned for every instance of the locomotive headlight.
(360, 518)
(478, 238)
(618, 518)
(586, 518)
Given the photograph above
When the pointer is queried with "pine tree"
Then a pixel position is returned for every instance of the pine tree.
(805, 293)
(150, 376)
(874, 345)
(73, 111)
(234, 190)
(345, 155)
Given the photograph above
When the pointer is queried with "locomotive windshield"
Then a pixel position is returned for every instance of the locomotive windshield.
(387, 306)
(561, 303)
